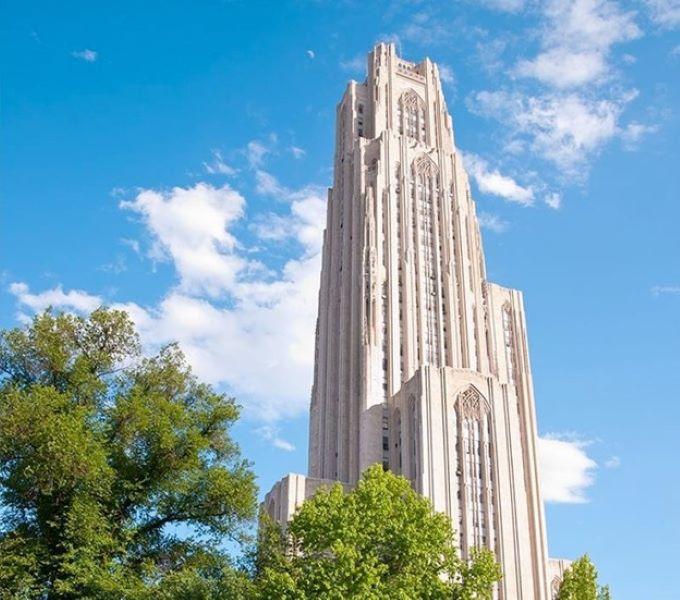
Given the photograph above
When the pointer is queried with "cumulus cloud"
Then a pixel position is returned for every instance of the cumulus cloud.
(577, 38)
(665, 13)
(566, 130)
(190, 228)
(248, 330)
(566, 470)
(87, 55)
(73, 300)
(491, 181)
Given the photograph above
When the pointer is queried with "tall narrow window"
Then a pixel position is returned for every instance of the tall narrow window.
(427, 192)
(509, 343)
(411, 116)
(413, 439)
(475, 472)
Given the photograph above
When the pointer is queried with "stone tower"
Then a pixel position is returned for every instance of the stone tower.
(421, 364)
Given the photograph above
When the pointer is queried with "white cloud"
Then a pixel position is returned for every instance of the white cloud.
(190, 227)
(271, 434)
(658, 290)
(553, 200)
(426, 29)
(577, 37)
(267, 185)
(504, 5)
(563, 68)
(74, 300)
(86, 55)
(665, 13)
(132, 244)
(613, 462)
(446, 74)
(491, 181)
(256, 151)
(634, 132)
(564, 129)
(311, 53)
(297, 152)
(566, 470)
(249, 331)
(354, 65)
(217, 166)
(492, 222)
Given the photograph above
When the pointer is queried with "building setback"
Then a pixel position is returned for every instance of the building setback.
(421, 364)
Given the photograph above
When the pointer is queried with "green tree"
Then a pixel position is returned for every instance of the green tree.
(580, 582)
(118, 475)
(381, 540)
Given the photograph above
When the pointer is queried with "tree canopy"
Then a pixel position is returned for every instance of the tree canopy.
(118, 475)
(580, 582)
(380, 540)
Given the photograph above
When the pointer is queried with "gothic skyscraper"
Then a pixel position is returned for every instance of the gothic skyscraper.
(421, 364)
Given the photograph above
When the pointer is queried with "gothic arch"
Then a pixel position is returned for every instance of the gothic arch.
(412, 116)
(471, 403)
(411, 99)
(424, 166)
(555, 586)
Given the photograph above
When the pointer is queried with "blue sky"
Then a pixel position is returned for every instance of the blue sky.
(172, 158)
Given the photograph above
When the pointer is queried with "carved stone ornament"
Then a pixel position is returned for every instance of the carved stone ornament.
(424, 166)
(471, 404)
(410, 100)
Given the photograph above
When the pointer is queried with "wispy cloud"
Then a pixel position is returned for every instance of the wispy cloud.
(217, 166)
(297, 152)
(311, 53)
(613, 462)
(356, 64)
(270, 433)
(510, 6)
(658, 290)
(492, 222)
(665, 13)
(87, 55)
(446, 74)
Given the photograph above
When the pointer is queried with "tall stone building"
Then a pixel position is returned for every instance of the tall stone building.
(421, 364)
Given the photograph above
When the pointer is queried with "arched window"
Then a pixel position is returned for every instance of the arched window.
(477, 517)
(412, 116)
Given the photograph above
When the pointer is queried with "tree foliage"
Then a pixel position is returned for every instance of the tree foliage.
(381, 540)
(118, 475)
(580, 582)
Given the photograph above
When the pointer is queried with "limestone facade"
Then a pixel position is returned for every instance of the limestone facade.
(421, 364)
